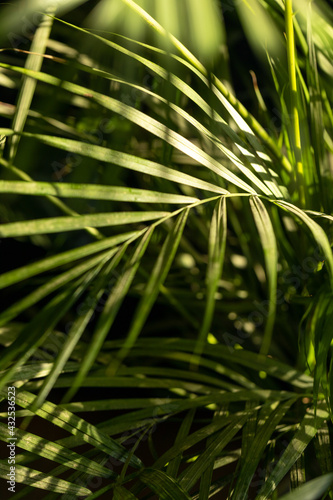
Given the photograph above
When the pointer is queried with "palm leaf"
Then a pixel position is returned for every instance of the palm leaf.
(268, 241)
(157, 278)
(60, 224)
(312, 490)
(166, 487)
(307, 430)
(78, 427)
(217, 244)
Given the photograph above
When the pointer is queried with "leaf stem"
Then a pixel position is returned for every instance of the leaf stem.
(293, 99)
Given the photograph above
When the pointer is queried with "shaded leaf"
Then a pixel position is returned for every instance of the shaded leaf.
(312, 490)
(60, 224)
(166, 487)
(92, 191)
(53, 451)
(42, 481)
(76, 426)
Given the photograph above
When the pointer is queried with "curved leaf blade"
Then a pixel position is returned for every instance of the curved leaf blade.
(60, 224)
(55, 452)
(92, 191)
(162, 484)
(157, 278)
(76, 426)
(269, 246)
(42, 481)
(217, 245)
(60, 259)
(312, 490)
(307, 430)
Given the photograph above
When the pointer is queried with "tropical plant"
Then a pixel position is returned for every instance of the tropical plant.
(171, 304)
